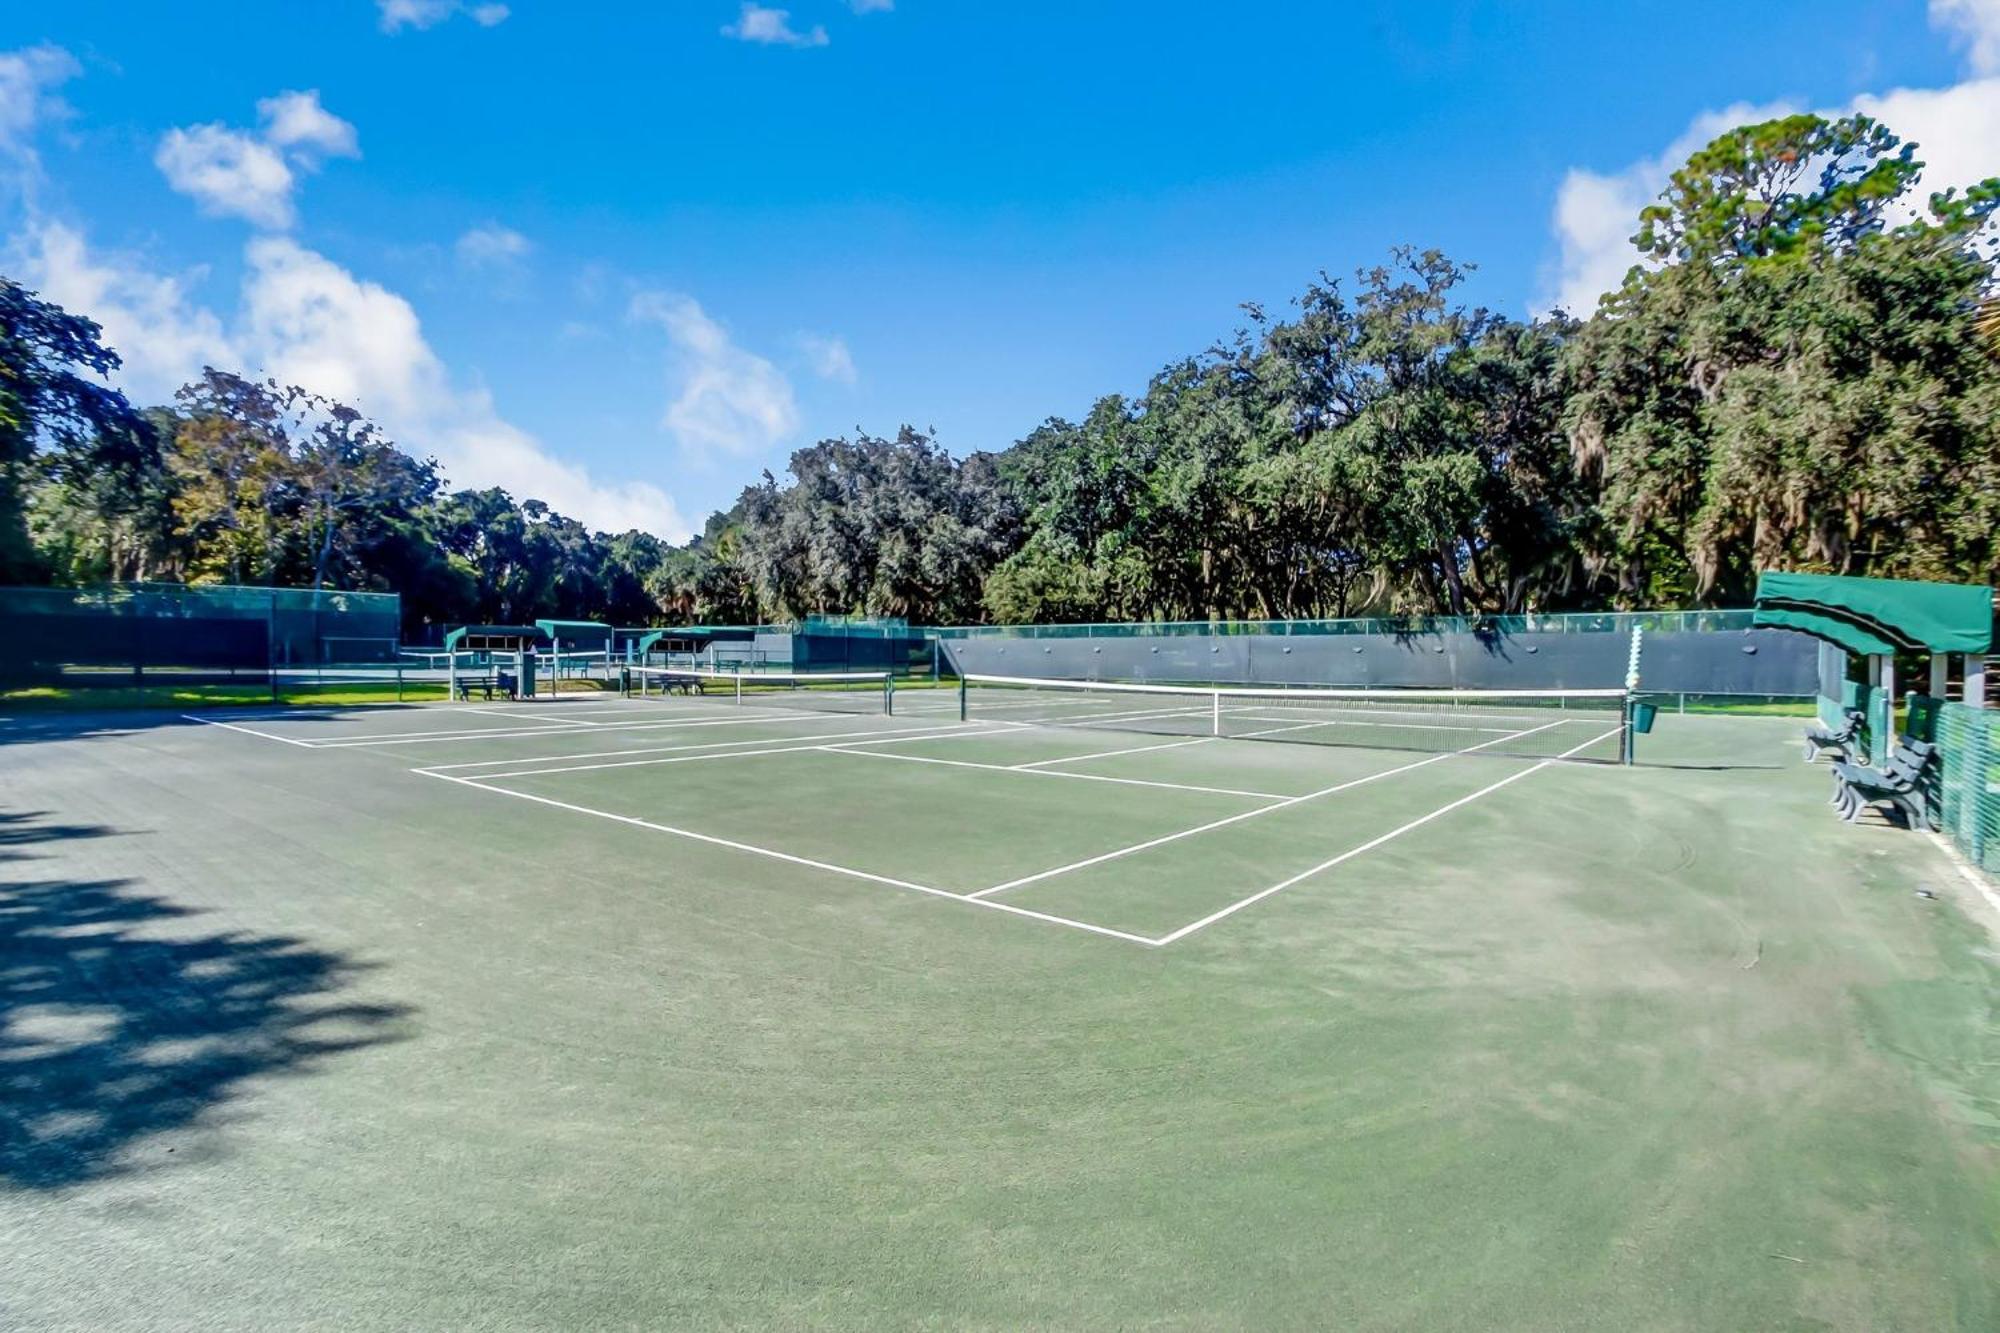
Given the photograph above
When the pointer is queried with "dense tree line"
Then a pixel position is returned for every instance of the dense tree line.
(1805, 374)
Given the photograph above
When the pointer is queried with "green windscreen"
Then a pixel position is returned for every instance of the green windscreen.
(1534, 724)
(807, 691)
(1968, 741)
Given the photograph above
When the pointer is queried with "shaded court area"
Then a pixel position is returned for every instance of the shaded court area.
(706, 1008)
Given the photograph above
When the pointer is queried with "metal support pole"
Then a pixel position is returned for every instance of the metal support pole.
(1975, 680)
(1888, 667)
(1940, 674)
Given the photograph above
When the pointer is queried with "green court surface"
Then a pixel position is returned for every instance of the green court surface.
(599, 1012)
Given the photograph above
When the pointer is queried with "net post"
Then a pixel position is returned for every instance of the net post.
(739, 689)
(889, 696)
(1626, 708)
(1215, 713)
(961, 697)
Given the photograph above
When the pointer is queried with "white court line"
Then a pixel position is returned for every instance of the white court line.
(1106, 754)
(1285, 804)
(808, 862)
(247, 731)
(816, 741)
(1400, 726)
(1088, 720)
(1508, 725)
(504, 734)
(1373, 843)
(916, 734)
(527, 717)
(1964, 867)
(1052, 773)
(1273, 731)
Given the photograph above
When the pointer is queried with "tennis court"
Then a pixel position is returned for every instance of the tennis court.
(760, 1001)
(1021, 798)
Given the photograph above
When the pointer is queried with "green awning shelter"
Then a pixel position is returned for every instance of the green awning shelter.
(578, 635)
(695, 638)
(493, 638)
(1876, 619)
(1873, 617)
(1856, 639)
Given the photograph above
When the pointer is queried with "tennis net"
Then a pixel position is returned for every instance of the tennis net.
(1536, 724)
(812, 691)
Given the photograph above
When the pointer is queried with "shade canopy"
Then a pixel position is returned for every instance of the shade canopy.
(1879, 616)
(576, 631)
(503, 638)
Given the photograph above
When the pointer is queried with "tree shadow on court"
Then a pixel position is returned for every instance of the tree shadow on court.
(28, 725)
(22, 828)
(120, 1023)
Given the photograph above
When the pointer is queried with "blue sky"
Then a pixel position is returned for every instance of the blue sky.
(622, 257)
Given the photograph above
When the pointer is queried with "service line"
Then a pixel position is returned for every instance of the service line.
(1373, 843)
(773, 854)
(1212, 825)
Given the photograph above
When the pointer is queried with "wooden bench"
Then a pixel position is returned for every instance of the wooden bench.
(1839, 741)
(1898, 785)
(498, 682)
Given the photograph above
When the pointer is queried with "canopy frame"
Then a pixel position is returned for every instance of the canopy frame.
(1875, 619)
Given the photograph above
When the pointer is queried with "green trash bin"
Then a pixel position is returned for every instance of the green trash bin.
(1642, 718)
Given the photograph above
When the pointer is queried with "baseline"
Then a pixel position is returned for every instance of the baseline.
(817, 740)
(505, 733)
(886, 738)
(247, 731)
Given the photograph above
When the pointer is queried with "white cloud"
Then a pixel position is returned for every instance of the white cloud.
(27, 77)
(492, 245)
(317, 325)
(726, 399)
(228, 173)
(1975, 25)
(871, 6)
(771, 27)
(148, 318)
(305, 320)
(297, 121)
(233, 173)
(1597, 213)
(828, 357)
(399, 14)
(1957, 130)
